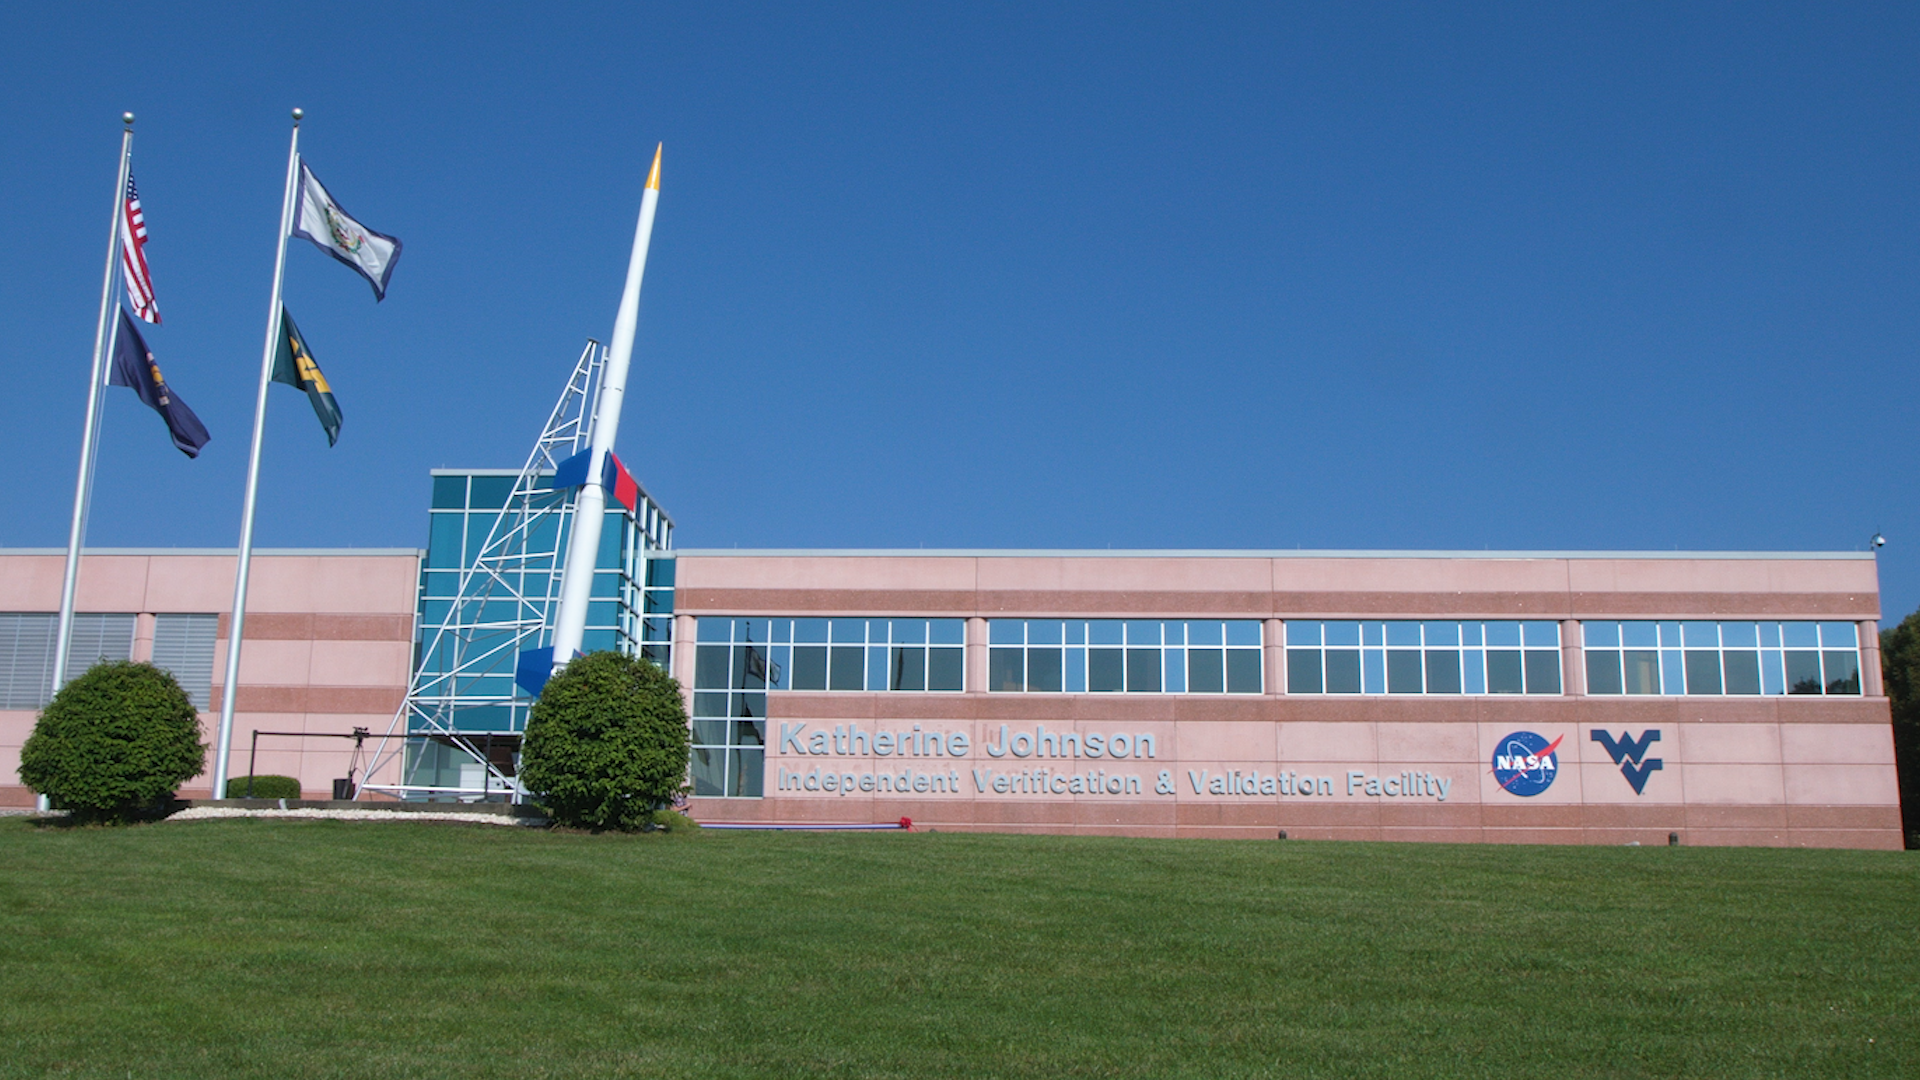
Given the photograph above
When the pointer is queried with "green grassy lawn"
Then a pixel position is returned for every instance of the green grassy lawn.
(231, 949)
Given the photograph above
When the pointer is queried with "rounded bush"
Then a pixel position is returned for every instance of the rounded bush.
(114, 742)
(606, 744)
(265, 786)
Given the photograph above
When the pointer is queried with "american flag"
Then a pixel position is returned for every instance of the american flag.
(133, 258)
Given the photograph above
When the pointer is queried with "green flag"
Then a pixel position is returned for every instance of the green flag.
(293, 364)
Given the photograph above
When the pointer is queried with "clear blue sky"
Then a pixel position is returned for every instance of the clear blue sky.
(1140, 276)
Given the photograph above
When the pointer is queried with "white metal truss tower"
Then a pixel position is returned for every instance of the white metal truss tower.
(501, 608)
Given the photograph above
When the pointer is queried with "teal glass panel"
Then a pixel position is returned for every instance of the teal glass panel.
(1642, 671)
(946, 669)
(489, 492)
(449, 493)
(1343, 671)
(1303, 670)
(846, 668)
(1207, 671)
(1403, 666)
(1243, 671)
(444, 534)
(1543, 672)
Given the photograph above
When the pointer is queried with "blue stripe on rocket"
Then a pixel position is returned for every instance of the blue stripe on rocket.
(534, 666)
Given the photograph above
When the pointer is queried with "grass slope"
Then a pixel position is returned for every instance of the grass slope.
(320, 949)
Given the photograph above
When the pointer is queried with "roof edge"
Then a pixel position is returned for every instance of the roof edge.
(1296, 553)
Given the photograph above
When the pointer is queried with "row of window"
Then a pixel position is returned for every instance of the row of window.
(736, 661)
(182, 644)
(1731, 658)
(1406, 657)
(739, 659)
(1133, 656)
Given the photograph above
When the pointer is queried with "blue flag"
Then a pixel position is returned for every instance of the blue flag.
(133, 367)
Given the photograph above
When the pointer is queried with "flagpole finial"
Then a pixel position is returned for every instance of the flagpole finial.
(297, 114)
(126, 118)
(653, 178)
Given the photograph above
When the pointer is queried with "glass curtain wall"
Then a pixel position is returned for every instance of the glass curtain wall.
(738, 660)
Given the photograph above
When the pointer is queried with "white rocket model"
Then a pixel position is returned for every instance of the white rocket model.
(589, 507)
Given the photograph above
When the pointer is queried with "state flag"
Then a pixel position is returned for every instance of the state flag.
(293, 364)
(332, 230)
(134, 367)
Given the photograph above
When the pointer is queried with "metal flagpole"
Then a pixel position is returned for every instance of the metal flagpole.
(90, 438)
(230, 689)
(589, 506)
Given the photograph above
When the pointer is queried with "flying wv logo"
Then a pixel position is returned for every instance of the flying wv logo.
(1631, 755)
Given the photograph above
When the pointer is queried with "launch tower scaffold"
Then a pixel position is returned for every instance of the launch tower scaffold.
(490, 625)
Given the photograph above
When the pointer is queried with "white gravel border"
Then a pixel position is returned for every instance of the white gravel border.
(208, 813)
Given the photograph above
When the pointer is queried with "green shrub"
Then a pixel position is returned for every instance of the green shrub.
(114, 743)
(264, 787)
(673, 821)
(606, 744)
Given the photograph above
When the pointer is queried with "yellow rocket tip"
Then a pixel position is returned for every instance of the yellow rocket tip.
(653, 178)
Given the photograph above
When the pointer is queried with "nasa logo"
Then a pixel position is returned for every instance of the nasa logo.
(1525, 763)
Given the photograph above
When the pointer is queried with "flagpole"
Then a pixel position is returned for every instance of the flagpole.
(589, 505)
(90, 437)
(231, 687)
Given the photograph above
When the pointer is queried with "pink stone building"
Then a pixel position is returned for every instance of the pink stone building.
(1333, 695)
(329, 641)
(1501, 697)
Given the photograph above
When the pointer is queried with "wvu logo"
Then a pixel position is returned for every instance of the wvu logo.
(1631, 755)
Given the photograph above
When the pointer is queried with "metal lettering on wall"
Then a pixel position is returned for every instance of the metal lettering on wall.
(1114, 763)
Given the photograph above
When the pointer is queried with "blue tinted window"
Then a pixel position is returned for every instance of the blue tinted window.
(1434, 661)
(449, 492)
(1159, 657)
(1735, 658)
(490, 492)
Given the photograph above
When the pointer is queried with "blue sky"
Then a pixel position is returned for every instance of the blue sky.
(1131, 276)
